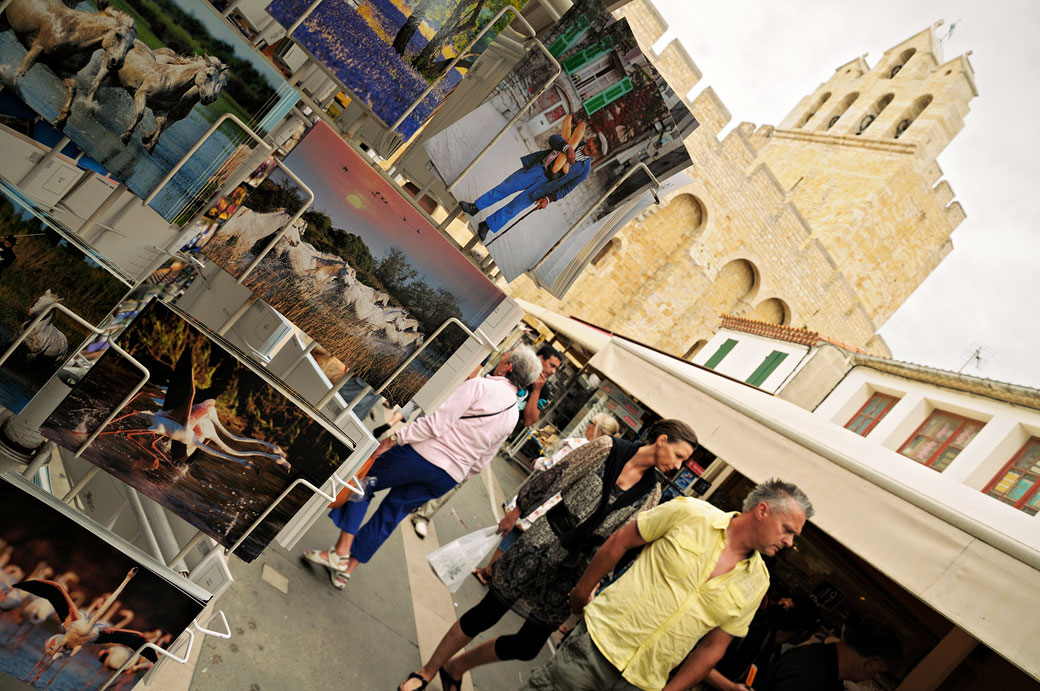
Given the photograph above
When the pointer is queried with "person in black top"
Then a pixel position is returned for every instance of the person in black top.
(866, 650)
(781, 620)
(7, 255)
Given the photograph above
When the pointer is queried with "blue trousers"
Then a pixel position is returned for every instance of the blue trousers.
(522, 179)
(412, 481)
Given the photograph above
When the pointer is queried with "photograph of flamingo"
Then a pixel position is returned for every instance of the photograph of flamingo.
(40, 266)
(207, 437)
(74, 607)
(607, 111)
(136, 83)
(361, 272)
(387, 52)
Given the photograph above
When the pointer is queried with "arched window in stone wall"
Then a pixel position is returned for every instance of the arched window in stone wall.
(875, 110)
(903, 123)
(688, 211)
(900, 62)
(694, 349)
(832, 119)
(731, 292)
(771, 311)
(816, 107)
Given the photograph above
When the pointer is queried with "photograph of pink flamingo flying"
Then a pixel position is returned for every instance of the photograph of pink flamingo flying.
(78, 629)
(207, 437)
(74, 604)
(191, 427)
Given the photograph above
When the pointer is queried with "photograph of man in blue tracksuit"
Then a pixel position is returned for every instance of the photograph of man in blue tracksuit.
(535, 181)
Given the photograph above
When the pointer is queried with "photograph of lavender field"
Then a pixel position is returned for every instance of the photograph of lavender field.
(135, 85)
(387, 52)
(58, 580)
(361, 272)
(40, 267)
(207, 437)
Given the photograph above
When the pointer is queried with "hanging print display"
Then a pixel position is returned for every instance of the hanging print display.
(361, 272)
(388, 52)
(74, 605)
(608, 111)
(592, 242)
(40, 267)
(135, 85)
(207, 438)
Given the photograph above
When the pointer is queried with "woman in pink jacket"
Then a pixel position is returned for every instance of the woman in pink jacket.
(429, 456)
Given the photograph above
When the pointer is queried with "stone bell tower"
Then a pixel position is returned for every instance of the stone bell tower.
(857, 157)
(828, 221)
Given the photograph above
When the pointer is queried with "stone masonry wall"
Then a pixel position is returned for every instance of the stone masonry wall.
(765, 228)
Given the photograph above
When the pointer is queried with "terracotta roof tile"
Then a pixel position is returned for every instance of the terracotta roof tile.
(782, 333)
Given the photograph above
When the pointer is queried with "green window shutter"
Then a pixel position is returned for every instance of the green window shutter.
(767, 367)
(581, 22)
(587, 55)
(576, 61)
(607, 96)
(723, 350)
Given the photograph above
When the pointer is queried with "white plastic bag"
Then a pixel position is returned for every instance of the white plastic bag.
(455, 560)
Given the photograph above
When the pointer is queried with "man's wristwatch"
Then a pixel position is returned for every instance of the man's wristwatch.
(393, 439)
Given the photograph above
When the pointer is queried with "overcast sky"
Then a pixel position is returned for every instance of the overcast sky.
(762, 57)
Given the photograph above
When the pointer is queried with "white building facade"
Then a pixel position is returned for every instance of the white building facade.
(970, 432)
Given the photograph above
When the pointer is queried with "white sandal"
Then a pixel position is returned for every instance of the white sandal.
(336, 565)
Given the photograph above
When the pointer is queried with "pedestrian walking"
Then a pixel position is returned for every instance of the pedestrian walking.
(427, 457)
(696, 585)
(602, 485)
(533, 398)
(602, 424)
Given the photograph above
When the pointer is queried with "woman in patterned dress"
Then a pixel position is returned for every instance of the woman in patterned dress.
(603, 485)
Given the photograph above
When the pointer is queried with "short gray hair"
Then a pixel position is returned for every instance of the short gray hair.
(606, 423)
(526, 366)
(777, 494)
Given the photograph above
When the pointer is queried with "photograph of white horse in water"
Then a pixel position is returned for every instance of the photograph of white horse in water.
(136, 83)
(39, 267)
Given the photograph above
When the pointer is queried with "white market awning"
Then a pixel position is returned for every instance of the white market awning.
(972, 559)
(588, 337)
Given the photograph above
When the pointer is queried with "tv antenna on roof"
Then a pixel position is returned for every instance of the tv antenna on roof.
(977, 354)
(949, 32)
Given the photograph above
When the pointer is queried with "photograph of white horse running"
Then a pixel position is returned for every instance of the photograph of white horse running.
(136, 84)
(361, 271)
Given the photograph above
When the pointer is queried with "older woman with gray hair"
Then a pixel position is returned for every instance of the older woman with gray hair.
(601, 425)
(602, 486)
(426, 458)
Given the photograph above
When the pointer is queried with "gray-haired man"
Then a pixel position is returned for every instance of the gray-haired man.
(694, 588)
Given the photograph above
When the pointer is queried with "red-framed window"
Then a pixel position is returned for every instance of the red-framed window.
(940, 438)
(1018, 481)
(871, 413)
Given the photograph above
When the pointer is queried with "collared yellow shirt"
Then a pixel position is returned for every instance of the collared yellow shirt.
(649, 619)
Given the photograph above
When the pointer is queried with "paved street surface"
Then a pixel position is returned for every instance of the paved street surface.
(369, 636)
(292, 630)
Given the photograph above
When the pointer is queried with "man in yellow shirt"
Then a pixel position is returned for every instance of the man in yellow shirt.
(695, 587)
